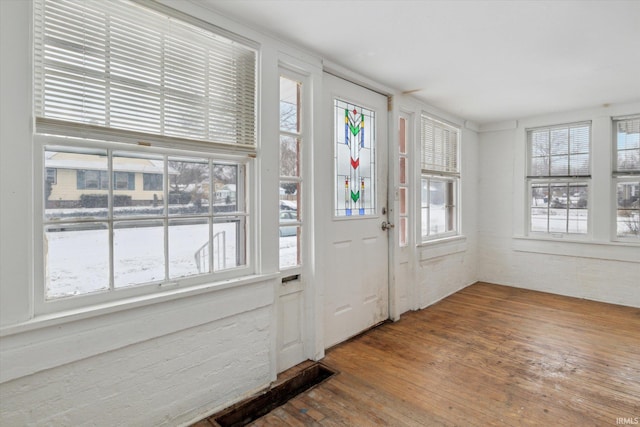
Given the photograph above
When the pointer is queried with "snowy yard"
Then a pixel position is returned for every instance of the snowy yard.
(78, 260)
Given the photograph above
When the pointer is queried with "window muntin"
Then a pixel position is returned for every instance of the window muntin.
(559, 168)
(626, 178)
(95, 244)
(440, 179)
(291, 183)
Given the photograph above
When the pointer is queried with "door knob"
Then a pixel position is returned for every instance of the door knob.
(387, 225)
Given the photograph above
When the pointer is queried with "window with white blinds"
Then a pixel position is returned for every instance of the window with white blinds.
(627, 148)
(439, 146)
(439, 199)
(626, 177)
(117, 65)
(559, 151)
(558, 182)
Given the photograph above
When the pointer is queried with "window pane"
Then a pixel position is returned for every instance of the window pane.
(424, 199)
(578, 212)
(403, 170)
(76, 259)
(540, 144)
(629, 160)
(628, 212)
(404, 232)
(228, 243)
(289, 245)
(628, 144)
(354, 141)
(188, 186)
(579, 140)
(188, 247)
(424, 216)
(579, 164)
(558, 220)
(402, 140)
(403, 201)
(539, 205)
(559, 141)
(142, 181)
(450, 206)
(225, 187)
(540, 166)
(81, 186)
(437, 207)
(289, 156)
(138, 252)
(558, 208)
(559, 165)
(289, 105)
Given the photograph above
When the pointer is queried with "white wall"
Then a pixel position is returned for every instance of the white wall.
(429, 272)
(594, 268)
(446, 267)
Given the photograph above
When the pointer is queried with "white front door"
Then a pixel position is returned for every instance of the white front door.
(356, 272)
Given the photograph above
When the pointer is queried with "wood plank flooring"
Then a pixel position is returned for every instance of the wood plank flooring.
(487, 355)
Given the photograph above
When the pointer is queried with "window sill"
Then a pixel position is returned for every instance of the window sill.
(68, 316)
(613, 251)
(442, 247)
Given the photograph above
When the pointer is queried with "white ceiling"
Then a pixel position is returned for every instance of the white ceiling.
(485, 61)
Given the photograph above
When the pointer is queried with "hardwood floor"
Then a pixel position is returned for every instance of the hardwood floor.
(488, 355)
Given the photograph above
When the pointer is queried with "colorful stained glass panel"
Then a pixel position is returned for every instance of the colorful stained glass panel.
(354, 140)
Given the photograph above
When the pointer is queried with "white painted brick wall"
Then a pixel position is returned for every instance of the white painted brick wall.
(593, 270)
(164, 381)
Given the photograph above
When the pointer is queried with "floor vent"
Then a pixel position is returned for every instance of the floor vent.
(255, 407)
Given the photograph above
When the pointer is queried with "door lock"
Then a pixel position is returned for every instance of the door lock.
(387, 225)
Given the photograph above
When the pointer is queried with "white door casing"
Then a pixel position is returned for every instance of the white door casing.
(356, 282)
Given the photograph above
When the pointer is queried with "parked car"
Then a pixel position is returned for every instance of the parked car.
(288, 216)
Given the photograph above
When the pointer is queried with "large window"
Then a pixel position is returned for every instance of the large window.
(558, 178)
(291, 143)
(440, 178)
(626, 177)
(149, 123)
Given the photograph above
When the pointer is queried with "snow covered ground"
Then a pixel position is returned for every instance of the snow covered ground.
(78, 260)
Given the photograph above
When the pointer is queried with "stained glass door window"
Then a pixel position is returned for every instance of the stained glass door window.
(354, 137)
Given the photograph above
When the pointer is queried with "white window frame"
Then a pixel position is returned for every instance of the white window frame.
(248, 268)
(302, 136)
(56, 132)
(447, 169)
(567, 179)
(621, 177)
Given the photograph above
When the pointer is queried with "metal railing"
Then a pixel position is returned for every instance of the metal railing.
(219, 259)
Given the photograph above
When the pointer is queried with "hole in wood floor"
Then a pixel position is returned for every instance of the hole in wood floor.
(255, 407)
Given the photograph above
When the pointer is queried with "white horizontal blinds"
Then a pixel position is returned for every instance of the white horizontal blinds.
(627, 145)
(439, 147)
(118, 65)
(560, 151)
